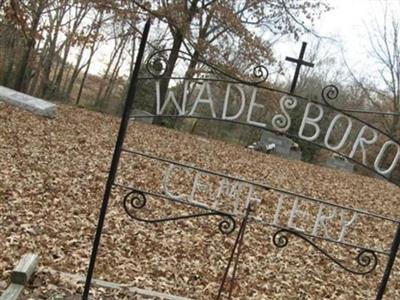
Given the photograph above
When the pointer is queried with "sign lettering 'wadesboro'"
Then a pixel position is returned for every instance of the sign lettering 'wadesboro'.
(313, 114)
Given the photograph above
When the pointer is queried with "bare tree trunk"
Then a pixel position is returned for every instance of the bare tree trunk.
(100, 97)
(65, 82)
(394, 126)
(10, 62)
(115, 72)
(79, 16)
(77, 69)
(20, 78)
(78, 98)
(111, 86)
(173, 57)
(131, 66)
(75, 73)
(36, 76)
(50, 57)
(61, 70)
(132, 63)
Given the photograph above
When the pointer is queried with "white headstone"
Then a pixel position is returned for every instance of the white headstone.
(279, 144)
(339, 163)
(24, 101)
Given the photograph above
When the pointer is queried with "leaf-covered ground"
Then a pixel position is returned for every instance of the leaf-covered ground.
(52, 177)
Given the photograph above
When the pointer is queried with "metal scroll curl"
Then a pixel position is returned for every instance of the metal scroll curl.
(329, 94)
(260, 74)
(366, 259)
(135, 200)
(157, 64)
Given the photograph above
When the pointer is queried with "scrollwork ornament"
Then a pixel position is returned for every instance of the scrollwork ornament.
(329, 93)
(157, 64)
(260, 73)
(227, 225)
(366, 259)
(280, 239)
(282, 122)
(135, 200)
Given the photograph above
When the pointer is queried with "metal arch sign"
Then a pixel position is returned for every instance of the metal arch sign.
(367, 135)
(233, 198)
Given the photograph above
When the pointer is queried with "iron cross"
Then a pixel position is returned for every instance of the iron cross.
(299, 62)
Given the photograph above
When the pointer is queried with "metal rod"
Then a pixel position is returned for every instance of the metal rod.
(239, 251)
(115, 160)
(162, 196)
(238, 241)
(393, 252)
(261, 185)
(251, 218)
(254, 220)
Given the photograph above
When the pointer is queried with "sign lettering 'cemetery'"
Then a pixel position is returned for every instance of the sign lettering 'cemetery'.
(239, 193)
(272, 206)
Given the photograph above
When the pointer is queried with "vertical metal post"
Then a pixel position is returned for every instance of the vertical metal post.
(236, 249)
(115, 160)
(393, 252)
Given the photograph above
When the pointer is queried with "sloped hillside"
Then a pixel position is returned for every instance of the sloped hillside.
(52, 177)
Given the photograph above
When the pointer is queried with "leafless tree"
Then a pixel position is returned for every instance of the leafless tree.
(382, 92)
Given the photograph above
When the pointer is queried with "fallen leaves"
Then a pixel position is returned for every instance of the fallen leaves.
(52, 178)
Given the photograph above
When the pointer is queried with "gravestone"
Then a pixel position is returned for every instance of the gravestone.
(278, 144)
(340, 163)
(24, 101)
(142, 116)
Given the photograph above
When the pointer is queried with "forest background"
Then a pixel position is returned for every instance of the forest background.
(50, 49)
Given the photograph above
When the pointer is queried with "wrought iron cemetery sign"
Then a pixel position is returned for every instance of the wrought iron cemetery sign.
(231, 198)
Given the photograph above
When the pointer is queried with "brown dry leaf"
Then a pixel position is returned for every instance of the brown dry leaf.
(52, 177)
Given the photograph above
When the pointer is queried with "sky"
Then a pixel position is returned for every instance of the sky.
(347, 26)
